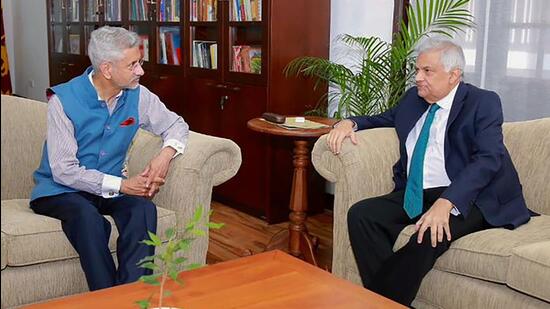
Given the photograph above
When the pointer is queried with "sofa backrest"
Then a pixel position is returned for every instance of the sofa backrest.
(23, 135)
(529, 145)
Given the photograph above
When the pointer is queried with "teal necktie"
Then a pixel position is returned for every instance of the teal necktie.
(415, 181)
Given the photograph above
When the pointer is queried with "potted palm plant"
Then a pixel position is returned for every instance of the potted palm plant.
(383, 70)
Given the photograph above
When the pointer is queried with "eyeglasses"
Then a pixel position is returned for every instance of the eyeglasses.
(134, 65)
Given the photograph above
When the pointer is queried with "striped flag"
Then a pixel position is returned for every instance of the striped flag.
(6, 82)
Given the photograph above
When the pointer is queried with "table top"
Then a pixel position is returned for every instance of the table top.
(263, 126)
(272, 279)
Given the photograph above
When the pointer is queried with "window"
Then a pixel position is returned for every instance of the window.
(509, 53)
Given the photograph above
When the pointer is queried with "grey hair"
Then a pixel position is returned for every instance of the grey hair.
(107, 44)
(452, 56)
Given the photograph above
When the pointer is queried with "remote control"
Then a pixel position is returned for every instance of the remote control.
(272, 117)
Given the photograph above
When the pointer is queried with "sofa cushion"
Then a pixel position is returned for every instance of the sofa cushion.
(3, 250)
(486, 254)
(28, 238)
(529, 270)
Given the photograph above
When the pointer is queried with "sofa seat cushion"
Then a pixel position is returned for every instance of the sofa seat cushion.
(486, 254)
(529, 270)
(28, 238)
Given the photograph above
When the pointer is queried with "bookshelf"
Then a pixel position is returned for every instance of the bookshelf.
(252, 41)
(219, 64)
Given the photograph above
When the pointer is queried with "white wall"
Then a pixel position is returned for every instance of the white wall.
(28, 54)
(361, 18)
(27, 41)
(357, 18)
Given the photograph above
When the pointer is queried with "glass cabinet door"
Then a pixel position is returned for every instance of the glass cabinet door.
(204, 53)
(57, 37)
(91, 10)
(246, 36)
(73, 7)
(56, 11)
(204, 34)
(169, 45)
(74, 39)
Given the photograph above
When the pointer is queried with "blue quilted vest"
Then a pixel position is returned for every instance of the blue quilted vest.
(102, 139)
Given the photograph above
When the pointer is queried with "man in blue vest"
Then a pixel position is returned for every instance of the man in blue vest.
(454, 176)
(92, 120)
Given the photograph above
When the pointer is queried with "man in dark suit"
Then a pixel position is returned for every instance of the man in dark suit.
(454, 176)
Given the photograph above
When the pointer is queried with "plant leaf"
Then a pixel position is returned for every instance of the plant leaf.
(214, 225)
(173, 274)
(169, 232)
(148, 242)
(198, 232)
(149, 265)
(156, 240)
(198, 214)
(184, 244)
(180, 260)
(143, 304)
(193, 266)
(146, 259)
(150, 279)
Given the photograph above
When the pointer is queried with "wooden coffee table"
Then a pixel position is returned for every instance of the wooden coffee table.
(272, 279)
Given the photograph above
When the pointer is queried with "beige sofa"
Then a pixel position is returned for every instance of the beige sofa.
(495, 268)
(38, 262)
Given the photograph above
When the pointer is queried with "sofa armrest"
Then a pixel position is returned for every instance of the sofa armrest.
(206, 162)
(364, 169)
(359, 171)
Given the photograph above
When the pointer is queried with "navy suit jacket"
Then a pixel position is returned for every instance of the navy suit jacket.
(479, 166)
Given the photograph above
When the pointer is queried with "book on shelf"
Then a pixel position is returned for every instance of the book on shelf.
(59, 45)
(74, 10)
(169, 10)
(138, 9)
(203, 10)
(74, 43)
(170, 45)
(113, 10)
(144, 46)
(205, 54)
(214, 56)
(247, 59)
(246, 10)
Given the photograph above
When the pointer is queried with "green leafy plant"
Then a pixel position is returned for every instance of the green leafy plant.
(381, 71)
(169, 262)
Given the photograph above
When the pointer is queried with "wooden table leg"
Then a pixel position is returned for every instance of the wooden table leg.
(300, 242)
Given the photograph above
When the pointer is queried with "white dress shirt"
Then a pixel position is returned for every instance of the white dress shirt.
(435, 174)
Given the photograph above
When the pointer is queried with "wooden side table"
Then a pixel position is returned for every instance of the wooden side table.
(300, 243)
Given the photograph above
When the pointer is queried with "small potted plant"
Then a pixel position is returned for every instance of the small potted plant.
(169, 261)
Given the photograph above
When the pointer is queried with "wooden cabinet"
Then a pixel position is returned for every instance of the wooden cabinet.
(218, 63)
(252, 50)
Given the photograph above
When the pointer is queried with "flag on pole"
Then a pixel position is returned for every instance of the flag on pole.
(6, 82)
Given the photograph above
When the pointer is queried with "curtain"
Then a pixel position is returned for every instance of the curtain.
(6, 82)
(509, 53)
